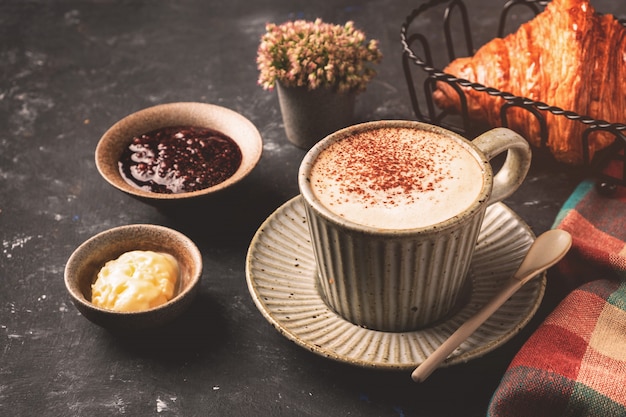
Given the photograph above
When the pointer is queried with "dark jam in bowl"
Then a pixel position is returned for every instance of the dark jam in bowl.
(179, 159)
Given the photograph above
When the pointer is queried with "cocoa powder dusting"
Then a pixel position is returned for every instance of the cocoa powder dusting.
(387, 162)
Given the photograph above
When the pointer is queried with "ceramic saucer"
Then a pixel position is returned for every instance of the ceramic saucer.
(281, 275)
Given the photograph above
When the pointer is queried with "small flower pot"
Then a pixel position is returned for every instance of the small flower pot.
(311, 115)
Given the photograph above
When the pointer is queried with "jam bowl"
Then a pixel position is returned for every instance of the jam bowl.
(84, 264)
(175, 152)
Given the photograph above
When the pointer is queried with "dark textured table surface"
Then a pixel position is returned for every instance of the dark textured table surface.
(70, 69)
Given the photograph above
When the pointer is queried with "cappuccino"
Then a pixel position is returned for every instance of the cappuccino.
(394, 209)
(397, 178)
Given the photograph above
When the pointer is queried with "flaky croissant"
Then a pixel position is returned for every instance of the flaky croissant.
(568, 56)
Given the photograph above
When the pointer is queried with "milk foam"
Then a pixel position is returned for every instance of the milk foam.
(396, 178)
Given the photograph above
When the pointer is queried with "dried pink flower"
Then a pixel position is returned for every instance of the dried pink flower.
(315, 54)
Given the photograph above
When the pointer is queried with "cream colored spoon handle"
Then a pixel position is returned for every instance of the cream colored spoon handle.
(547, 250)
(441, 353)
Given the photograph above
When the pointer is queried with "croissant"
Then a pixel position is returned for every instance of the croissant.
(568, 56)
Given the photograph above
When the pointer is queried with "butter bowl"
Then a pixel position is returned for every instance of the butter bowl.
(84, 264)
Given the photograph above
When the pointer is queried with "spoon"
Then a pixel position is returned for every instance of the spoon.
(546, 251)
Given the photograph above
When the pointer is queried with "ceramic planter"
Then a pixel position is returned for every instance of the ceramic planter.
(310, 115)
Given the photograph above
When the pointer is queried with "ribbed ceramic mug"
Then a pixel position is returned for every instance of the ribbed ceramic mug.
(394, 210)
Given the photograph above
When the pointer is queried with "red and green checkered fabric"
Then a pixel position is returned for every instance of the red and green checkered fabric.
(575, 362)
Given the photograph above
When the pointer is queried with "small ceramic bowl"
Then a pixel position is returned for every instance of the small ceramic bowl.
(117, 138)
(86, 261)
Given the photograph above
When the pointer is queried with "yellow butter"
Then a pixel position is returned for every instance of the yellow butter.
(137, 280)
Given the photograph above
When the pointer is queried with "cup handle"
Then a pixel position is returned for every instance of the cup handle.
(516, 165)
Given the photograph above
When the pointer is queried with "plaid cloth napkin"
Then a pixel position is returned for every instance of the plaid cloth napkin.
(575, 362)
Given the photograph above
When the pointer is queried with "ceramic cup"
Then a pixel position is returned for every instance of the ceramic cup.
(394, 210)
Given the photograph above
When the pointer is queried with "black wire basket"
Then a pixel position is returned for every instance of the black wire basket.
(455, 15)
